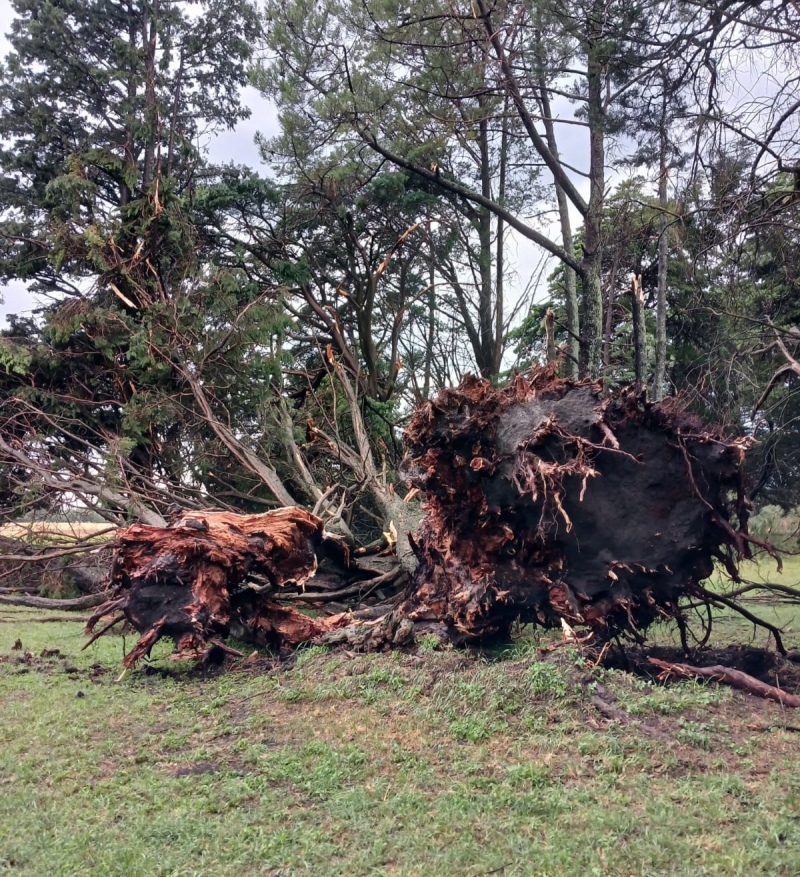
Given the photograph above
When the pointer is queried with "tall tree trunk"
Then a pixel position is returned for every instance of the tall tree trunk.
(570, 279)
(176, 103)
(639, 334)
(660, 376)
(591, 264)
(611, 299)
(486, 292)
(130, 137)
(497, 356)
(149, 40)
(431, 328)
(366, 340)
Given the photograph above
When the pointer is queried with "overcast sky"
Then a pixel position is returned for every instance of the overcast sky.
(15, 298)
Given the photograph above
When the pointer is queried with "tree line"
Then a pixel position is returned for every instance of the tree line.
(248, 338)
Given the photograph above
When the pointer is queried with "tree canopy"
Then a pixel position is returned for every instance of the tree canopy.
(247, 338)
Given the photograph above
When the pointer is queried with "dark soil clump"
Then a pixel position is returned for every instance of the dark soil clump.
(548, 500)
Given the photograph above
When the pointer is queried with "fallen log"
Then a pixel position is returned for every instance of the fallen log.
(46, 619)
(86, 602)
(728, 676)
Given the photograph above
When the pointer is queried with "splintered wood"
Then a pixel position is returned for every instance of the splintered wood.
(187, 581)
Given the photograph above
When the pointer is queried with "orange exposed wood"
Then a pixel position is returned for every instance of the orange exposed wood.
(187, 581)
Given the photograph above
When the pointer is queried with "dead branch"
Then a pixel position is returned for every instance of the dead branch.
(728, 676)
(714, 597)
(45, 554)
(46, 603)
(45, 619)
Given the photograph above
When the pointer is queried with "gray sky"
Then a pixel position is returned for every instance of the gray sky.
(15, 296)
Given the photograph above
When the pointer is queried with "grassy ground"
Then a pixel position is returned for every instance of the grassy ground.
(402, 764)
(730, 628)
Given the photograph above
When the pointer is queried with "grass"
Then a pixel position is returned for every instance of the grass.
(729, 627)
(435, 763)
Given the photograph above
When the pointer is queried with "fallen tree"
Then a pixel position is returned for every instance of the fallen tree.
(546, 501)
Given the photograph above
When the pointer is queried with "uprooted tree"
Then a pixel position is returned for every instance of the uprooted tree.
(229, 343)
(545, 501)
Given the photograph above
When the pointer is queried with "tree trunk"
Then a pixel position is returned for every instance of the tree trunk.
(500, 245)
(86, 602)
(591, 264)
(660, 376)
(639, 334)
(486, 290)
(149, 44)
(430, 332)
(570, 278)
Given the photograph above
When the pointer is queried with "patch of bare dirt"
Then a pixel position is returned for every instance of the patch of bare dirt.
(51, 661)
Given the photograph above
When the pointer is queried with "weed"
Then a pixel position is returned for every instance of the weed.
(427, 644)
(695, 734)
(474, 728)
(529, 776)
(307, 654)
(546, 679)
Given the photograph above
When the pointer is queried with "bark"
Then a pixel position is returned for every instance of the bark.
(500, 244)
(431, 326)
(149, 43)
(591, 264)
(486, 289)
(550, 336)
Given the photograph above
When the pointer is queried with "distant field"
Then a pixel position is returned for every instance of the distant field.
(42, 531)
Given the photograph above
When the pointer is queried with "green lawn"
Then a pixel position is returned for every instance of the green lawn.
(729, 627)
(402, 764)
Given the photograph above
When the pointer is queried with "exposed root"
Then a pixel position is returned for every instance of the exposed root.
(192, 581)
(547, 501)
